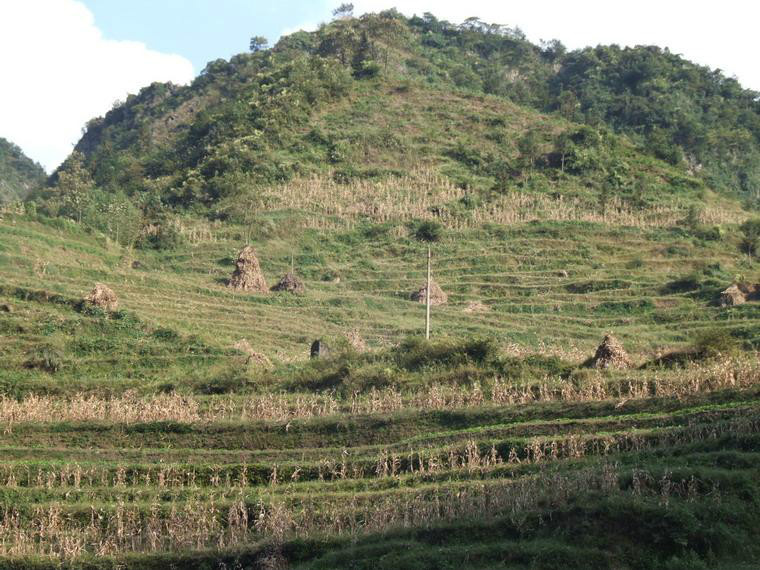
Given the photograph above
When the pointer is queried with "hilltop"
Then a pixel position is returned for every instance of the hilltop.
(19, 174)
(367, 98)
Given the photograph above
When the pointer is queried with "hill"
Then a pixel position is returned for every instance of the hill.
(19, 175)
(188, 427)
(303, 108)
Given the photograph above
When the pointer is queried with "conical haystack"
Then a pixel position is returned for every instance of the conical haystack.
(610, 354)
(247, 275)
(437, 295)
(356, 341)
(103, 297)
(252, 357)
(732, 296)
(290, 283)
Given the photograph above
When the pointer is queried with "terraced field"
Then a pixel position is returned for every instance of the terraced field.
(559, 284)
(321, 490)
(142, 438)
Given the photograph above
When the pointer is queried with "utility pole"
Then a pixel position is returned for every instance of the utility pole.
(427, 301)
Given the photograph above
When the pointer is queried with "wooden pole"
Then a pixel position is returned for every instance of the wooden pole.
(427, 300)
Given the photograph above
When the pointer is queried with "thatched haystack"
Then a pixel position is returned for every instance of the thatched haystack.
(290, 283)
(437, 295)
(610, 354)
(356, 341)
(252, 357)
(247, 275)
(732, 296)
(319, 349)
(102, 297)
(738, 294)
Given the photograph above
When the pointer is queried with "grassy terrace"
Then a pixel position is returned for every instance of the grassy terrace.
(130, 439)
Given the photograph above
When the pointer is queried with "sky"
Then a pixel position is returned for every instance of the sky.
(64, 62)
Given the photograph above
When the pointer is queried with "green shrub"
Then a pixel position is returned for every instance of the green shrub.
(750, 236)
(428, 231)
(417, 353)
(164, 238)
(714, 343)
(44, 357)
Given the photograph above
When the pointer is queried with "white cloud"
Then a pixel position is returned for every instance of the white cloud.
(718, 34)
(58, 71)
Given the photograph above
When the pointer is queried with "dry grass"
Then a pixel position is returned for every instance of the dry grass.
(727, 373)
(426, 194)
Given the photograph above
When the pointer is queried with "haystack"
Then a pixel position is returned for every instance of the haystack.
(319, 349)
(290, 283)
(252, 357)
(247, 275)
(356, 341)
(103, 297)
(610, 354)
(437, 295)
(732, 296)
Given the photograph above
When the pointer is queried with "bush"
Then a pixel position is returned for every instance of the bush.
(44, 358)
(715, 343)
(428, 231)
(161, 238)
(415, 353)
(751, 236)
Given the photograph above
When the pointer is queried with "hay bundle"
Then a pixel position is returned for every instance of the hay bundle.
(252, 357)
(476, 307)
(290, 283)
(610, 354)
(732, 296)
(103, 297)
(437, 295)
(319, 349)
(247, 275)
(356, 341)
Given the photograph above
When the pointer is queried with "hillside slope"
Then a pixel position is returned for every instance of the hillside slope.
(276, 114)
(19, 174)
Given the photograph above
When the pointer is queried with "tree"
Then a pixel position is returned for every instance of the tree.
(529, 146)
(563, 146)
(751, 238)
(258, 43)
(75, 184)
(569, 105)
(344, 11)
(429, 231)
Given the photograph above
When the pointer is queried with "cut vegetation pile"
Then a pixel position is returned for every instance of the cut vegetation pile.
(247, 275)
(356, 341)
(738, 294)
(437, 295)
(252, 357)
(102, 297)
(610, 354)
(290, 283)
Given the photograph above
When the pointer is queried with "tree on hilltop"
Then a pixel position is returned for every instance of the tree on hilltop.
(258, 43)
(344, 11)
